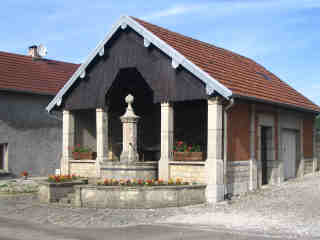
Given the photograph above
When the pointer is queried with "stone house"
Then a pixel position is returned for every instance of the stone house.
(30, 139)
(253, 128)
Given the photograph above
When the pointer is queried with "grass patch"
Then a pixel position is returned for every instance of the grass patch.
(4, 185)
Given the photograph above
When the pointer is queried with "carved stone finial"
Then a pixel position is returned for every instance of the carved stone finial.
(129, 99)
(129, 114)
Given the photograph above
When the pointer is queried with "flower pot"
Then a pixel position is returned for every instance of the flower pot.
(188, 156)
(84, 155)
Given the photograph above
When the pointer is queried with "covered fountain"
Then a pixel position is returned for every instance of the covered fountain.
(129, 166)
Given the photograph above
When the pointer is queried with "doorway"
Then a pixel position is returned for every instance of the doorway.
(3, 150)
(289, 151)
(266, 152)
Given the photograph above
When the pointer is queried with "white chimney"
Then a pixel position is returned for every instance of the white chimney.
(33, 51)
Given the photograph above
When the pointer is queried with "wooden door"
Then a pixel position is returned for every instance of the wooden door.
(289, 149)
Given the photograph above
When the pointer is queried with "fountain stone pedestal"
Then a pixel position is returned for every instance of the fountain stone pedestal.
(129, 166)
(129, 135)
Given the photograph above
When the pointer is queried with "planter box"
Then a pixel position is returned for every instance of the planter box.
(52, 192)
(188, 156)
(84, 155)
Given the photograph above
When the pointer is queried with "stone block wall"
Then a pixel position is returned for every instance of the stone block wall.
(238, 177)
(308, 165)
(138, 170)
(273, 173)
(139, 197)
(188, 172)
(83, 168)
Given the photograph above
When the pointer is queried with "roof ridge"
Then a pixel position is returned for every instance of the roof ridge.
(29, 57)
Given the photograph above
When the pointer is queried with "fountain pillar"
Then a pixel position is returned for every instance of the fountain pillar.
(129, 135)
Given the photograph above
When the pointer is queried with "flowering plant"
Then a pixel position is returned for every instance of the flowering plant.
(62, 178)
(141, 182)
(24, 174)
(181, 146)
(80, 149)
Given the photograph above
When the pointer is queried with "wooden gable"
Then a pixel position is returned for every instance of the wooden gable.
(126, 50)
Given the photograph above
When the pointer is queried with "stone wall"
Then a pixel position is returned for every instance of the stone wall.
(190, 172)
(83, 168)
(33, 136)
(53, 192)
(138, 170)
(139, 197)
(273, 172)
(238, 173)
(308, 165)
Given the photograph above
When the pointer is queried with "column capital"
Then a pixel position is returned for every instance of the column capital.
(66, 112)
(166, 104)
(215, 100)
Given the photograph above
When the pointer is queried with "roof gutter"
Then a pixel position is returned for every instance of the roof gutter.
(288, 106)
(225, 142)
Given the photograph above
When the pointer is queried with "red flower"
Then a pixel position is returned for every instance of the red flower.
(180, 143)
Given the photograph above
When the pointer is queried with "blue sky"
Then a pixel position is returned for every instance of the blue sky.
(282, 35)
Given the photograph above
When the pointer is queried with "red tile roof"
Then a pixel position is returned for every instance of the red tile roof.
(243, 76)
(21, 73)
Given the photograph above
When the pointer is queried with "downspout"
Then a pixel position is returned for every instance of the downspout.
(225, 141)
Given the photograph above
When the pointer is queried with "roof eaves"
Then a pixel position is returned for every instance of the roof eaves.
(177, 59)
(285, 105)
(27, 91)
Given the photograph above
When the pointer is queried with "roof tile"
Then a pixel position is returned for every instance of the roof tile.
(44, 76)
(240, 74)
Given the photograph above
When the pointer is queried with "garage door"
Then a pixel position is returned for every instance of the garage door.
(289, 153)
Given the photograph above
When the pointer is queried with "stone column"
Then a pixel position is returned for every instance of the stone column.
(167, 123)
(129, 135)
(214, 162)
(102, 138)
(253, 184)
(67, 141)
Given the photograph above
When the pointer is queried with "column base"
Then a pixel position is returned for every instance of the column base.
(253, 184)
(314, 165)
(64, 167)
(215, 193)
(301, 168)
(281, 173)
(163, 169)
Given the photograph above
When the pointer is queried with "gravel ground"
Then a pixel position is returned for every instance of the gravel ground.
(291, 209)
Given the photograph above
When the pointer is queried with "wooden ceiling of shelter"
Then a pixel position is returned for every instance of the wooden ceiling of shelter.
(130, 81)
(126, 50)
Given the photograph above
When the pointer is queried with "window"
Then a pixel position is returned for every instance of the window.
(3, 156)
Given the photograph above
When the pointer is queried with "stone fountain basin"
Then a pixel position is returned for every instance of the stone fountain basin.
(138, 196)
(137, 170)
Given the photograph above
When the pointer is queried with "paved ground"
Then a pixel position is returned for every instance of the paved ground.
(289, 211)
(22, 230)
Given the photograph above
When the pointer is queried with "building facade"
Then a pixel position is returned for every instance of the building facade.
(30, 138)
(252, 128)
